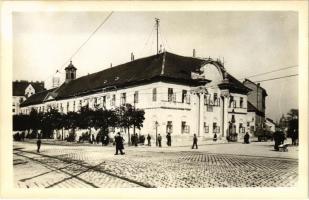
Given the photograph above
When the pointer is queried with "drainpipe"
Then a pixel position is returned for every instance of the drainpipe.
(199, 118)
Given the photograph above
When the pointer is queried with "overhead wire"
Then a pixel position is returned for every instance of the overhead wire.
(264, 73)
(82, 45)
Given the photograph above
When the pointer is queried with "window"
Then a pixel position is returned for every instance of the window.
(68, 104)
(123, 98)
(184, 96)
(184, 127)
(154, 94)
(73, 106)
(13, 109)
(136, 97)
(206, 128)
(72, 75)
(241, 128)
(113, 100)
(216, 100)
(241, 103)
(170, 94)
(214, 127)
(232, 102)
(80, 104)
(104, 101)
(169, 127)
(207, 99)
(209, 108)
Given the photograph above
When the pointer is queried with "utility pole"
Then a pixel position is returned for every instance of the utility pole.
(157, 25)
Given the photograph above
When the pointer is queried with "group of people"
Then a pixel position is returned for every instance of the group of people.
(279, 138)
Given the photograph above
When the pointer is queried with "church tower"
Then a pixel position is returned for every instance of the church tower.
(70, 72)
(56, 79)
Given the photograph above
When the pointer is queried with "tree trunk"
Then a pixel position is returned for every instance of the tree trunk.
(129, 139)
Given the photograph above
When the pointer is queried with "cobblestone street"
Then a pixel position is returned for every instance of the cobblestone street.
(219, 165)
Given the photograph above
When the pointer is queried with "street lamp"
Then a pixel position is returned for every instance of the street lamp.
(156, 126)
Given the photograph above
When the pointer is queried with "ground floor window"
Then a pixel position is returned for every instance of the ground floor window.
(215, 128)
(169, 127)
(206, 128)
(184, 127)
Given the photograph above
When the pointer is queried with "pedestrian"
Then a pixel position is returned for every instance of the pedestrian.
(169, 139)
(119, 144)
(92, 136)
(276, 139)
(194, 142)
(159, 140)
(149, 140)
(135, 139)
(215, 137)
(246, 138)
(38, 143)
(132, 139)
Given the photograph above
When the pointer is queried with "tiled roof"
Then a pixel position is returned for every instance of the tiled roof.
(163, 66)
(19, 87)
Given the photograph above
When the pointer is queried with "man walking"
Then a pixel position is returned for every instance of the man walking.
(194, 142)
(119, 144)
(148, 139)
(169, 139)
(246, 138)
(38, 143)
(159, 140)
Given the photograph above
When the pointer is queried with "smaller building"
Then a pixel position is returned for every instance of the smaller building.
(270, 125)
(23, 90)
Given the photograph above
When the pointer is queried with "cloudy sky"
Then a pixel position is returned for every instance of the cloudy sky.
(250, 42)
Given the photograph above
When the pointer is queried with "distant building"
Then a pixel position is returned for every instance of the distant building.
(23, 90)
(180, 95)
(256, 106)
(56, 80)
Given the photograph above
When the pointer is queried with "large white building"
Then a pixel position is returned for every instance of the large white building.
(180, 95)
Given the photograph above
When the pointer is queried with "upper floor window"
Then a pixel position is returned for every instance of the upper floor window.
(170, 94)
(184, 96)
(232, 102)
(123, 98)
(216, 99)
(73, 106)
(113, 100)
(136, 97)
(241, 102)
(104, 101)
(154, 94)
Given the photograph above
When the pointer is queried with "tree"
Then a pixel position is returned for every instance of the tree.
(71, 122)
(124, 114)
(128, 116)
(104, 119)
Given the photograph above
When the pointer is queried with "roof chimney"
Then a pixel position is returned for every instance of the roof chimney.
(193, 53)
(111, 65)
(132, 56)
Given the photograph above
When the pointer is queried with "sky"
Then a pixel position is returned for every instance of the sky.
(250, 43)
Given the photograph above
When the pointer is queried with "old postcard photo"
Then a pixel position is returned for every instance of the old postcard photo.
(120, 99)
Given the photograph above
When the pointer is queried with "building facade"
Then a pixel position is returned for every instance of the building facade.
(256, 106)
(180, 95)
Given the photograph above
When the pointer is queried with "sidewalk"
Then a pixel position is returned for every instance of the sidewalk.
(260, 149)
